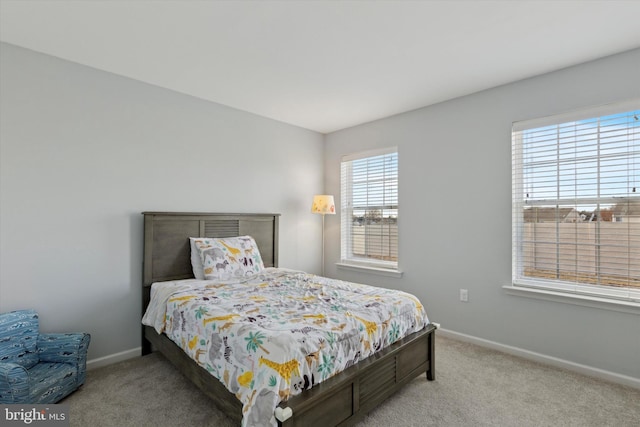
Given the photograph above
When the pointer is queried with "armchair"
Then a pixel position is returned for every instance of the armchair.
(38, 368)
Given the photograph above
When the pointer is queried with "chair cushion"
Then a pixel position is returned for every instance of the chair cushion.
(18, 337)
(50, 382)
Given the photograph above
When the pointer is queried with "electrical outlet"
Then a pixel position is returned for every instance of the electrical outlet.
(464, 295)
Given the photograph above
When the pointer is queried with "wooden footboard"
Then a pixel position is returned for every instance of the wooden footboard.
(346, 398)
(341, 400)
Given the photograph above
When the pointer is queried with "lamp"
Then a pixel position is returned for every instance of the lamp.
(323, 204)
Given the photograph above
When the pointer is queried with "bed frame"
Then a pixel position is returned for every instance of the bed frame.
(342, 400)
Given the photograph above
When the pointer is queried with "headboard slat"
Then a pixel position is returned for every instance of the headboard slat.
(222, 228)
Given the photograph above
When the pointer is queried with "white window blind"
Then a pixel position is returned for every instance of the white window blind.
(369, 211)
(576, 202)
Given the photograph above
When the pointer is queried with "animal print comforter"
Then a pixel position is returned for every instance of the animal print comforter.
(277, 333)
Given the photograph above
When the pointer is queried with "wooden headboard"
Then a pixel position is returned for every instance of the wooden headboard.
(167, 253)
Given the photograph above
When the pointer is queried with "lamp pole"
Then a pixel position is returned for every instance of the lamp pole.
(323, 215)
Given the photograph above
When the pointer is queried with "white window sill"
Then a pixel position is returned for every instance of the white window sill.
(576, 299)
(368, 269)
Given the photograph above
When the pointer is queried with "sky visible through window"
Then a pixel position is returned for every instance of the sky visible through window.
(575, 162)
(375, 185)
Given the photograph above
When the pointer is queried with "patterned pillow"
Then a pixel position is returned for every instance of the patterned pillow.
(196, 261)
(229, 258)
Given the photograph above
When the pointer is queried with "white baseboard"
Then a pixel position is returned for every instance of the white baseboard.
(516, 351)
(113, 358)
(542, 358)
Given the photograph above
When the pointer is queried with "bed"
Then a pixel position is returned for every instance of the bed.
(342, 399)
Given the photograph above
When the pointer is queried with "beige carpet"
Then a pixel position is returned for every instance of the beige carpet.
(474, 386)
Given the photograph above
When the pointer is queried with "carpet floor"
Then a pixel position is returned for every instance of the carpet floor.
(474, 386)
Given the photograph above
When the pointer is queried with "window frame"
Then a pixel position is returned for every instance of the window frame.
(347, 259)
(602, 296)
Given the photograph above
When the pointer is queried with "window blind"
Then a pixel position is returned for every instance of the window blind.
(576, 202)
(369, 211)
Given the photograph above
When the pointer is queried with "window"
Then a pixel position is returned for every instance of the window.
(369, 223)
(576, 202)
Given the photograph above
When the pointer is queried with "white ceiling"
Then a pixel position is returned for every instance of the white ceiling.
(324, 65)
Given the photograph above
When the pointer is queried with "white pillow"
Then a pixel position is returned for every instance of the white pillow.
(196, 259)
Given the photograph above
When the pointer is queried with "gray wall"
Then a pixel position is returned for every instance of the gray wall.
(455, 214)
(83, 152)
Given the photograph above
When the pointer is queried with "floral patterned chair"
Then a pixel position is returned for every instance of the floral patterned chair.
(38, 368)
